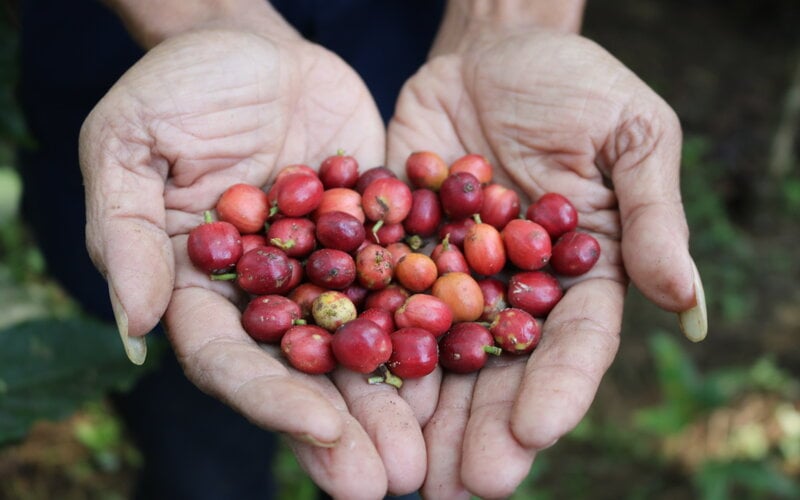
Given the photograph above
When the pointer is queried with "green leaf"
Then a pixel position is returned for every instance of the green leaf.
(716, 480)
(685, 392)
(50, 367)
(677, 375)
(663, 420)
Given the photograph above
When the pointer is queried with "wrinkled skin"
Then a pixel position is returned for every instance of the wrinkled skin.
(198, 113)
(208, 109)
(556, 113)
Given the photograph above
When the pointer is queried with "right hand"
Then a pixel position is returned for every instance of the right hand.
(202, 111)
(554, 113)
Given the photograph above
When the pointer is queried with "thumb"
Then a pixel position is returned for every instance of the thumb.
(125, 224)
(646, 169)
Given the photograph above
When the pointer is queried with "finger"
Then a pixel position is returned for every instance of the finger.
(488, 438)
(645, 166)
(579, 341)
(218, 356)
(444, 435)
(422, 395)
(337, 467)
(350, 469)
(125, 226)
(392, 426)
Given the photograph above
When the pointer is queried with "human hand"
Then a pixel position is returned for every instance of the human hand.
(552, 112)
(202, 111)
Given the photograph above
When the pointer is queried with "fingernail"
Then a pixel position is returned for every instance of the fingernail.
(309, 439)
(694, 321)
(551, 444)
(135, 347)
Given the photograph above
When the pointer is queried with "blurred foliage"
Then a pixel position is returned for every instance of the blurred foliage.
(790, 190)
(13, 131)
(49, 367)
(743, 480)
(53, 359)
(293, 482)
(82, 457)
(731, 433)
(736, 430)
(10, 192)
(100, 431)
(687, 394)
(24, 262)
(725, 254)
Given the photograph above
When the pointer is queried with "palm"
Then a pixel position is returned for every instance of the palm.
(550, 114)
(231, 107)
(196, 115)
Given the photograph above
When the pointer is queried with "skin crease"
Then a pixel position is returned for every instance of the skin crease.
(194, 116)
(552, 112)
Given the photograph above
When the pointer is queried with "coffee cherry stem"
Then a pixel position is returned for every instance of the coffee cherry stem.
(493, 350)
(299, 321)
(415, 241)
(386, 377)
(477, 218)
(446, 242)
(223, 277)
(207, 217)
(390, 378)
(283, 244)
(375, 229)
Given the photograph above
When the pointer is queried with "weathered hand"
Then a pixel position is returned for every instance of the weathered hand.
(553, 112)
(198, 113)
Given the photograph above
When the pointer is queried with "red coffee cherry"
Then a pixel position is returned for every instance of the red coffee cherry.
(575, 253)
(555, 213)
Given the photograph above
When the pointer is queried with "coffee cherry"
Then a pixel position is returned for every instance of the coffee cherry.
(339, 170)
(555, 213)
(515, 331)
(244, 206)
(263, 271)
(361, 345)
(308, 349)
(415, 353)
(332, 309)
(466, 347)
(575, 253)
(527, 244)
(214, 247)
(461, 195)
(536, 292)
(268, 317)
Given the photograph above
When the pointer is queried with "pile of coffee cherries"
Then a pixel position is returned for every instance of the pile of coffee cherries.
(388, 278)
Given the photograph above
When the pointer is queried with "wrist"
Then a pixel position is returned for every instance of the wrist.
(467, 20)
(152, 21)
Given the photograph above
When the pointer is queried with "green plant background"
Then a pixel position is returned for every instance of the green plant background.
(672, 420)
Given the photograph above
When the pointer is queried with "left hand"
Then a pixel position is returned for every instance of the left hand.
(552, 112)
(202, 111)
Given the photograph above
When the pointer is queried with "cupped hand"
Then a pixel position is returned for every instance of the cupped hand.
(198, 113)
(552, 112)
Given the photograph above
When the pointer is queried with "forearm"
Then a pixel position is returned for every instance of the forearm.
(151, 21)
(467, 19)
